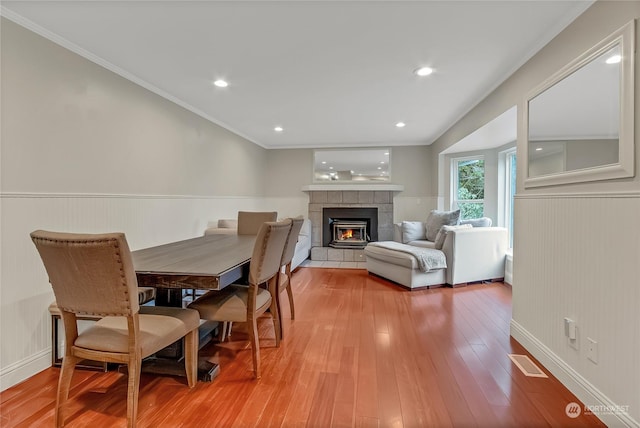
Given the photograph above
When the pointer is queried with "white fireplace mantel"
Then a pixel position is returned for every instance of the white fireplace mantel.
(356, 187)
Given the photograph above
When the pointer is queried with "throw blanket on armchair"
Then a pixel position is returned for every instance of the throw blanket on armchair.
(428, 259)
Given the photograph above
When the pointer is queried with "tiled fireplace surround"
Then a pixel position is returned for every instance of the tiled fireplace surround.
(383, 200)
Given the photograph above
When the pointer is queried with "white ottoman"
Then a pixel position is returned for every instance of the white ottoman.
(402, 268)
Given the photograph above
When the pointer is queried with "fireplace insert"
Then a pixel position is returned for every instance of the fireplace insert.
(349, 234)
(349, 227)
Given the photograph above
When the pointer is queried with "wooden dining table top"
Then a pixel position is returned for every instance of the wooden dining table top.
(205, 262)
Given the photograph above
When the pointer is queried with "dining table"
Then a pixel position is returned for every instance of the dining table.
(210, 262)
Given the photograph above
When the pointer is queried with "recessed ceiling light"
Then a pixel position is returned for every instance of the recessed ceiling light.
(382, 162)
(330, 167)
(278, 129)
(324, 162)
(379, 167)
(614, 59)
(386, 154)
(221, 83)
(538, 149)
(423, 71)
(401, 125)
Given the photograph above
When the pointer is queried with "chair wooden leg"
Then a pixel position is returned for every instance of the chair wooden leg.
(275, 314)
(64, 383)
(255, 346)
(277, 326)
(191, 357)
(290, 295)
(134, 368)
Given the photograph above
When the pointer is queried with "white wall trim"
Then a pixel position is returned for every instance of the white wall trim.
(24, 369)
(59, 40)
(16, 195)
(598, 195)
(571, 379)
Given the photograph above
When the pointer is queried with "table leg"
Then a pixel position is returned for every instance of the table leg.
(165, 361)
(169, 362)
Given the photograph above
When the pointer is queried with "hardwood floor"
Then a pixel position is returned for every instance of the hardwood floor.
(362, 352)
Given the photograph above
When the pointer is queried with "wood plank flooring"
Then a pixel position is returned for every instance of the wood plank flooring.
(362, 352)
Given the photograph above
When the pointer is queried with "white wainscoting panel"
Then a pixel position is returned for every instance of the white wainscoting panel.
(25, 293)
(578, 256)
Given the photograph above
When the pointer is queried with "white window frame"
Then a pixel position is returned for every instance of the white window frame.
(509, 159)
(505, 197)
(454, 182)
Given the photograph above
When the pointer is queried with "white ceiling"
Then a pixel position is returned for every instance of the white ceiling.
(498, 132)
(332, 73)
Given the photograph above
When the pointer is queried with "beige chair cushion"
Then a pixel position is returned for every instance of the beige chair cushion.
(159, 327)
(229, 304)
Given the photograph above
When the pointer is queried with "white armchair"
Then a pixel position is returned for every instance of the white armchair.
(475, 254)
(472, 254)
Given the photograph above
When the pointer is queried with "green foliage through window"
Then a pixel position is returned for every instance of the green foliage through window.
(470, 188)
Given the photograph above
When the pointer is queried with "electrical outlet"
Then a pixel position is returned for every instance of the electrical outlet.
(592, 350)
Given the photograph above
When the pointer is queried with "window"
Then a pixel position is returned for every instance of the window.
(468, 186)
(510, 187)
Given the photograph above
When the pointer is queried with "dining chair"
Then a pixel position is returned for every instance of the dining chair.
(145, 295)
(249, 222)
(284, 276)
(93, 275)
(245, 303)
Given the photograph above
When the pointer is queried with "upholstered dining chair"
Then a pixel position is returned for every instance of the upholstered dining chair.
(249, 222)
(284, 276)
(93, 275)
(245, 303)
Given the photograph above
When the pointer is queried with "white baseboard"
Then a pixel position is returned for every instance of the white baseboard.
(24, 369)
(572, 380)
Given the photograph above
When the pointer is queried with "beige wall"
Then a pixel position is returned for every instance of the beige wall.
(411, 168)
(287, 171)
(72, 126)
(570, 258)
